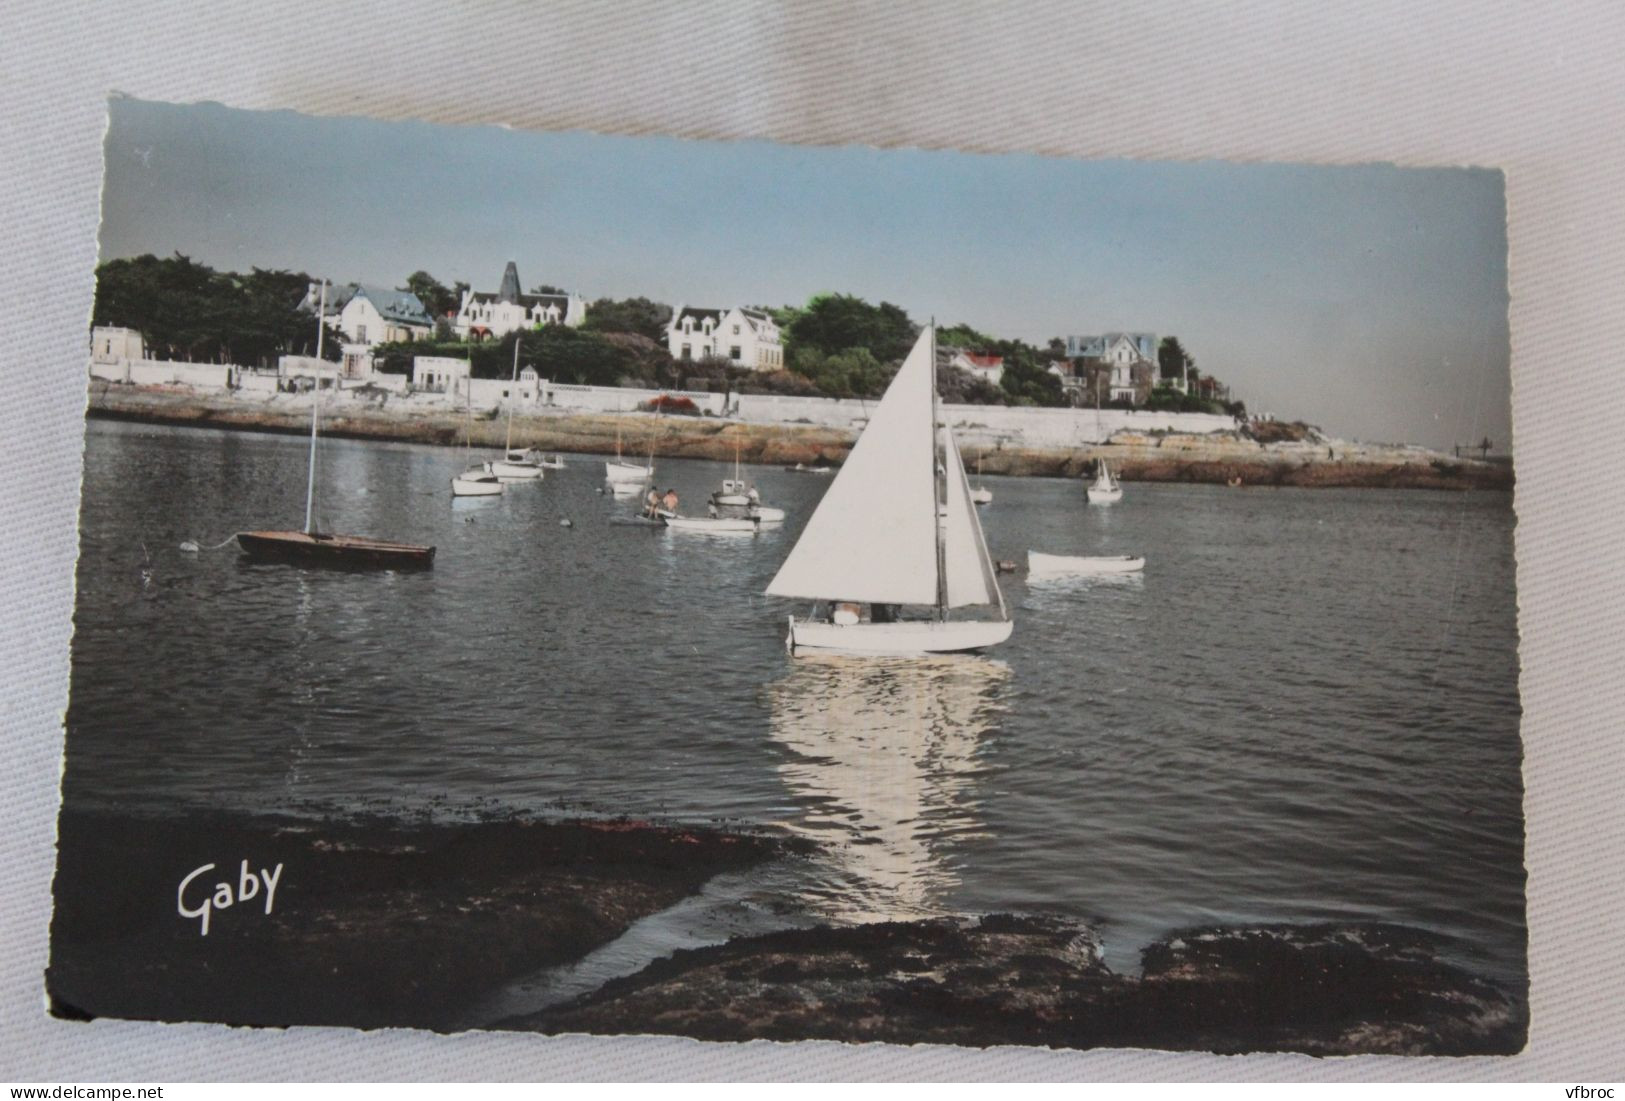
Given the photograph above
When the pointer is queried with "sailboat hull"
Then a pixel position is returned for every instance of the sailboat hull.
(475, 486)
(626, 472)
(515, 472)
(333, 551)
(1103, 496)
(923, 637)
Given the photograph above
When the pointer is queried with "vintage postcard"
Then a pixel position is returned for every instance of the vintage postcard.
(566, 583)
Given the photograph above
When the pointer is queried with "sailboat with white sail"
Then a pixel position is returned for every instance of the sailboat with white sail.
(896, 530)
(625, 473)
(314, 548)
(1105, 488)
(520, 465)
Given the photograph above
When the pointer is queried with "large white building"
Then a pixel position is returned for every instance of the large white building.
(743, 336)
(487, 315)
(372, 315)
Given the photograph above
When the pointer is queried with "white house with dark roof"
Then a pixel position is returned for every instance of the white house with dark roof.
(743, 336)
(1131, 359)
(490, 315)
(372, 315)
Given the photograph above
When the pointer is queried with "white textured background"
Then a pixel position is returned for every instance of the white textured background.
(1535, 90)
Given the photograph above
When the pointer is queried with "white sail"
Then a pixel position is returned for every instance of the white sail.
(969, 568)
(873, 537)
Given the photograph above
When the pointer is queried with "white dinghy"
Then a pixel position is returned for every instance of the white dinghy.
(712, 525)
(1105, 488)
(876, 537)
(1061, 565)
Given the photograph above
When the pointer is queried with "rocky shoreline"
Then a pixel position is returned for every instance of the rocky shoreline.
(1219, 458)
(389, 924)
(1039, 981)
(372, 924)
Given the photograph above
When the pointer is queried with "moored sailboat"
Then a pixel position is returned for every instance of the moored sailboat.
(479, 480)
(621, 472)
(520, 465)
(1105, 488)
(313, 548)
(896, 529)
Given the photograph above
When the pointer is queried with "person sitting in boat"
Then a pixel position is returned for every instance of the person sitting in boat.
(669, 501)
(651, 503)
(711, 510)
(755, 497)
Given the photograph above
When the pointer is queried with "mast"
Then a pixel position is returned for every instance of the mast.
(938, 489)
(315, 405)
(512, 386)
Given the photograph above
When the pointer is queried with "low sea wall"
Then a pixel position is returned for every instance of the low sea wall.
(1164, 456)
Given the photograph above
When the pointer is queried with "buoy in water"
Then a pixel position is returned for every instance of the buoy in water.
(190, 547)
(1004, 565)
(567, 523)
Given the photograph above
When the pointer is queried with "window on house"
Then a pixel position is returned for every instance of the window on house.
(688, 351)
(736, 330)
(361, 333)
(734, 353)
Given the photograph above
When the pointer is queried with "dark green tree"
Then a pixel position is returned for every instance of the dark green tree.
(1172, 359)
(834, 323)
(628, 315)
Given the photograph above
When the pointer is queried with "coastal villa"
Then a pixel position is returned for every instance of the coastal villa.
(487, 315)
(369, 315)
(989, 369)
(1117, 367)
(743, 336)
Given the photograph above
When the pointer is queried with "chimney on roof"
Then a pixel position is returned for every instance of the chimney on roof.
(510, 284)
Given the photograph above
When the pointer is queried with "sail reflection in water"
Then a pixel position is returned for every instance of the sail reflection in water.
(886, 752)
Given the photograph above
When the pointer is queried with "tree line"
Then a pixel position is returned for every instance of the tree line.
(835, 345)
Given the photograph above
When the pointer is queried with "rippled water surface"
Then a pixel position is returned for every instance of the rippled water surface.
(1306, 707)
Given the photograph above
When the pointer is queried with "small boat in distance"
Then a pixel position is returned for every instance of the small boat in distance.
(735, 491)
(980, 494)
(712, 525)
(514, 466)
(479, 480)
(620, 471)
(803, 468)
(1061, 565)
(313, 548)
(895, 529)
(1105, 488)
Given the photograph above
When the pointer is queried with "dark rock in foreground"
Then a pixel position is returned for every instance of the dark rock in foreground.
(373, 924)
(1040, 981)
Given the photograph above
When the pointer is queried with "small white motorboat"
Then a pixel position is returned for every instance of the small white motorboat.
(1061, 565)
(477, 481)
(1105, 488)
(765, 515)
(711, 525)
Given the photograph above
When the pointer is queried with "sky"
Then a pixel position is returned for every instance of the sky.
(1369, 300)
